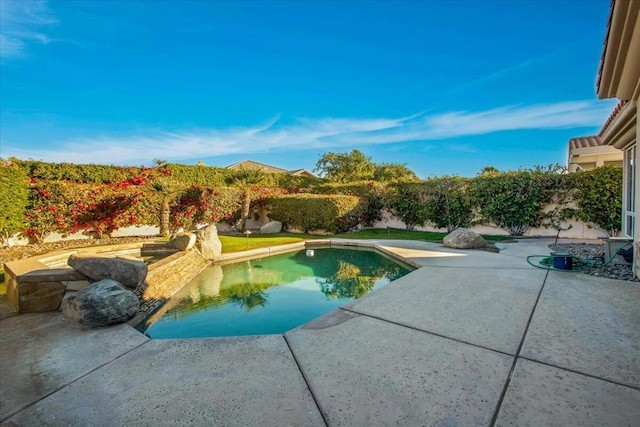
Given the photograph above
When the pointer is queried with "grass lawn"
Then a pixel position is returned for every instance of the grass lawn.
(239, 243)
(392, 233)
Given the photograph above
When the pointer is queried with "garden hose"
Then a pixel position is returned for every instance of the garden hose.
(579, 264)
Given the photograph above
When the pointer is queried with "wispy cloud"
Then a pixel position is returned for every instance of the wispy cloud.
(326, 133)
(500, 74)
(21, 23)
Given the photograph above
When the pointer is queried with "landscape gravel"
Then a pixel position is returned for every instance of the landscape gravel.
(595, 252)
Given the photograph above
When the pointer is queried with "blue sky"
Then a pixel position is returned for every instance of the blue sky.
(446, 87)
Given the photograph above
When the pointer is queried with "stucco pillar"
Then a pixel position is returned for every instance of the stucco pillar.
(636, 230)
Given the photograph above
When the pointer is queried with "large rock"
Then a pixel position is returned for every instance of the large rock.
(208, 242)
(271, 227)
(184, 241)
(104, 303)
(461, 238)
(129, 272)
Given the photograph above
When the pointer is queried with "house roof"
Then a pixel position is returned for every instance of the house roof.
(584, 142)
(619, 69)
(612, 117)
(604, 48)
(250, 164)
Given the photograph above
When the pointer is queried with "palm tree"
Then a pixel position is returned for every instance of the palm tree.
(244, 179)
(167, 189)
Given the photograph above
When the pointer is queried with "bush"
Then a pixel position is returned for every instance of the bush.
(197, 205)
(66, 207)
(408, 201)
(14, 188)
(373, 195)
(335, 213)
(448, 203)
(513, 201)
(599, 197)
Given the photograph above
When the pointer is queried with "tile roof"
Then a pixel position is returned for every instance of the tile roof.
(250, 164)
(584, 142)
(604, 48)
(612, 117)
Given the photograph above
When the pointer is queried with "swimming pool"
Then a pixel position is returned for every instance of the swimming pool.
(271, 295)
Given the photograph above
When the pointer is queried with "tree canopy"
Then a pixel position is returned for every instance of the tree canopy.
(355, 166)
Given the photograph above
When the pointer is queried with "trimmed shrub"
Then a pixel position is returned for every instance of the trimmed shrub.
(14, 188)
(599, 197)
(333, 213)
(372, 193)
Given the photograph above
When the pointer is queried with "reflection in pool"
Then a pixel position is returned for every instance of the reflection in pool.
(271, 295)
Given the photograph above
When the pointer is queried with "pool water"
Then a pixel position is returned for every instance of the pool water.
(271, 295)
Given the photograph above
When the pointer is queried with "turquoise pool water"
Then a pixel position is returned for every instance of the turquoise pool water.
(271, 295)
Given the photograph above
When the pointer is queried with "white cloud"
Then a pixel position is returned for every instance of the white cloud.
(325, 133)
(21, 23)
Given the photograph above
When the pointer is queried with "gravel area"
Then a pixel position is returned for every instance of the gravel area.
(595, 252)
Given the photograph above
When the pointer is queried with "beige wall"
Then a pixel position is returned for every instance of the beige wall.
(591, 157)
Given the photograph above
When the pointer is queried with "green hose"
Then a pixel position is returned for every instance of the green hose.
(579, 264)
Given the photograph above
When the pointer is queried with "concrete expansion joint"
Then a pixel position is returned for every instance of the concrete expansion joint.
(496, 412)
(585, 374)
(413, 328)
(2, 420)
(307, 383)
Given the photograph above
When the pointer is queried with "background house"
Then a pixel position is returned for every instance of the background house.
(589, 152)
(250, 164)
(619, 77)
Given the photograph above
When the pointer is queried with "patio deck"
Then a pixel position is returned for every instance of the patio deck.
(471, 338)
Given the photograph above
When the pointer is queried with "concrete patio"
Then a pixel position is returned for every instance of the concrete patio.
(471, 338)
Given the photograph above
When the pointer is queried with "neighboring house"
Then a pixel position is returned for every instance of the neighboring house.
(250, 164)
(619, 77)
(588, 152)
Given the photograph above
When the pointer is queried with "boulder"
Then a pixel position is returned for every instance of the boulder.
(104, 303)
(129, 272)
(461, 238)
(271, 227)
(184, 241)
(208, 243)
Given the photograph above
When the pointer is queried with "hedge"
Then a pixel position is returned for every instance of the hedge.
(307, 212)
(373, 195)
(67, 198)
(14, 188)
(599, 197)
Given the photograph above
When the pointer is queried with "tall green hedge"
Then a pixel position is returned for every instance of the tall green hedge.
(373, 195)
(307, 212)
(14, 197)
(599, 197)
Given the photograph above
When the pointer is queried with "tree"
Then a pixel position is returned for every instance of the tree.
(244, 179)
(393, 172)
(345, 167)
(168, 189)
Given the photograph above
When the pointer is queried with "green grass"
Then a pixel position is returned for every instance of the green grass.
(240, 243)
(392, 233)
